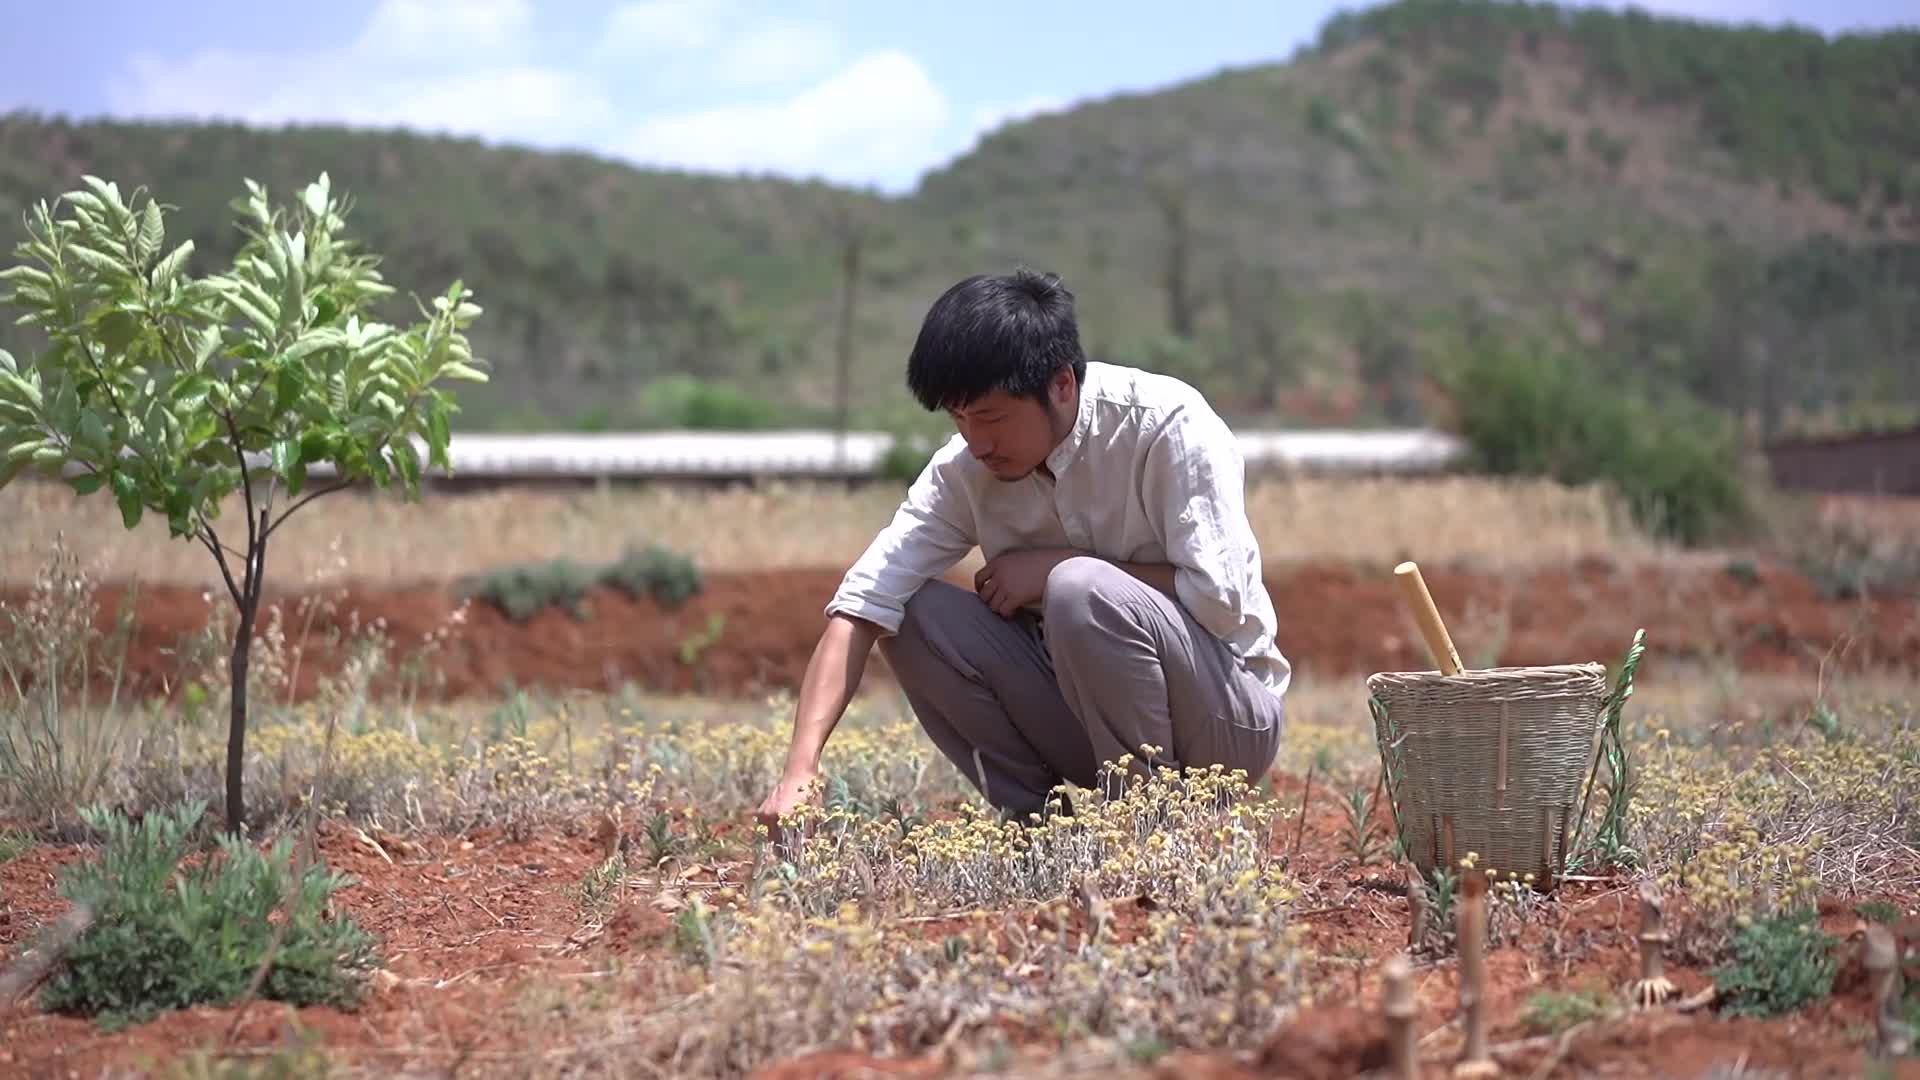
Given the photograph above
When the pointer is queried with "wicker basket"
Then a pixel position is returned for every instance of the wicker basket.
(1497, 761)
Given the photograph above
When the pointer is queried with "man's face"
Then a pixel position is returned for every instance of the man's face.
(1012, 436)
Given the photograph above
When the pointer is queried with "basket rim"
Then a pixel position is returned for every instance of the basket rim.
(1506, 673)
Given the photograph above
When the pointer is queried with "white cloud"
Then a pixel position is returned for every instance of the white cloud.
(677, 43)
(523, 102)
(416, 31)
(767, 94)
(776, 52)
(877, 120)
(432, 65)
(650, 27)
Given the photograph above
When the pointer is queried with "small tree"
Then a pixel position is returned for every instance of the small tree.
(172, 392)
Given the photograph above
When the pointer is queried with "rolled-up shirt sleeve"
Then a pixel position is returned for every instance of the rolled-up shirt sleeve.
(1195, 481)
(930, 532)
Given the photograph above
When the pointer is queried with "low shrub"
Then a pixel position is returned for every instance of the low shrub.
(907, 458)
(525, 590)
(1549, 413)
(668, 576)
(165, 935)
(685, 401)
(1778, 964)
(528, 589)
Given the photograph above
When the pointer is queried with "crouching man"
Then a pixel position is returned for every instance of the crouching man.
(1121, 603)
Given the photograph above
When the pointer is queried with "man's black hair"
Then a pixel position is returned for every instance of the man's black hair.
(1008, 332)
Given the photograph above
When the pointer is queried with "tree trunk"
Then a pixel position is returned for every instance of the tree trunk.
(237, 675)
(843, 360)
(237, 721)
(1171, 197)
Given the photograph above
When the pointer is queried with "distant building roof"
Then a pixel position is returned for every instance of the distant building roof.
(804, 454)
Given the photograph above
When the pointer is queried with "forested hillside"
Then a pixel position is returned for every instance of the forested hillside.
(1731, 214)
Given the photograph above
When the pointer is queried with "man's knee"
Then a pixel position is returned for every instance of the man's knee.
(1072, 587)
(934, 605)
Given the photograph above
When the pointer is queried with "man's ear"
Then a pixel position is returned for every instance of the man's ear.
(1060, 388)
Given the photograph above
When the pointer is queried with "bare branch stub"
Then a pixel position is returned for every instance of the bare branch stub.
(1652, 987)
(1475, 1060)
(1396, 1004)
(1881, 958)
(1417, 909)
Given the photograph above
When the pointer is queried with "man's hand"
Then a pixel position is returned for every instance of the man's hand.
(1014, 579)
(787, 796)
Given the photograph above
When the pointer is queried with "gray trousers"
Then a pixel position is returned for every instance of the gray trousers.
(1019, 704)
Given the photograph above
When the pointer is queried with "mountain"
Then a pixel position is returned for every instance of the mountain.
(1730, 214)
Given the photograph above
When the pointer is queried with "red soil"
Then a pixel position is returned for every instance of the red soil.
(475, 927)
(1336, 621)
(471, 924)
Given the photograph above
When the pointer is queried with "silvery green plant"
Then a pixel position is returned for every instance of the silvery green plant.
(173, 392)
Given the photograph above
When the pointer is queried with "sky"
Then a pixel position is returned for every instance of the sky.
(855, 91)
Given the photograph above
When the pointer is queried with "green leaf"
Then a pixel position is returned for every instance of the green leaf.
(152, 232)
(439, 434)
(28, 450)
(117, 330)
(66, 406)
(87, 201)
(293, 287)
(110, 265)
(108, 193)
(317, 444)
(126, 492)
(286, 455)
(378, 470)
(93, 433)
(202, 429)
(322, 337)
(406, 459)
(7, 364)
(191, 392)
(253, 312)
(86, 483)
(163, 274)
(29, 274)
(179, 504)
(13, 412)
(315, 197)
(287, 386)
(25, 391)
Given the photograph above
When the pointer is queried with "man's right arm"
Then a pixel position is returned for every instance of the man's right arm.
(833, 674)
(930, 532)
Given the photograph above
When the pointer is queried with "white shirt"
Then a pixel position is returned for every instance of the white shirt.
(1149, 473)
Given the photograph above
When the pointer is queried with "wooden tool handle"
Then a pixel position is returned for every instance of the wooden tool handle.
(1431, 627)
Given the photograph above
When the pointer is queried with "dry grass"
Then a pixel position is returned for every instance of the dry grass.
(909, 917)
(1499, 525)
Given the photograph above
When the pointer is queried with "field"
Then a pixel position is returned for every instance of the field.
(545, 820)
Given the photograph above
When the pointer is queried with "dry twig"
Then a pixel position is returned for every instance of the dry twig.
(1882, 961)
(1475, 1061)
(1397, 1005)
(1652, 987)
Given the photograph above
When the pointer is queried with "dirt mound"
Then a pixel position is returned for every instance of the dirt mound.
(750, 632)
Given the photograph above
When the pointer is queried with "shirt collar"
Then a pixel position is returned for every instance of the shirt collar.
(1069, 447)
